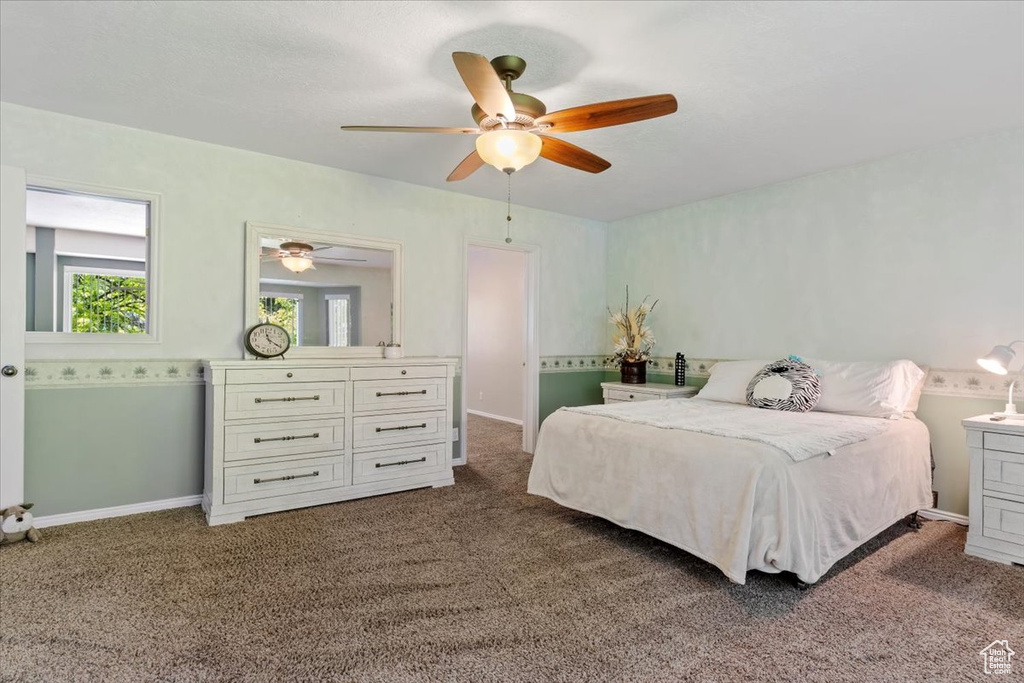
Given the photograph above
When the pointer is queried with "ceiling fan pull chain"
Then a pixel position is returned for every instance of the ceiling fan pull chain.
(508, 217)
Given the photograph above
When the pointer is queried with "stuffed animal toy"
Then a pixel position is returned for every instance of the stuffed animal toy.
(17, 524)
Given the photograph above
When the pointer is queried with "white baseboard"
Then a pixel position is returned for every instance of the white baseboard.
(118, 511)
(480, 413)
(944, 516)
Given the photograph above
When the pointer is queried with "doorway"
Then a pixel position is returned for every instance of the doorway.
(500, 355)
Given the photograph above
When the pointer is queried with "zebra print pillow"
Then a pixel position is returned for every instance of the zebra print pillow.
(785, 385)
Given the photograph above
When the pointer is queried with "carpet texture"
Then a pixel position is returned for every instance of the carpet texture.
(481, 582)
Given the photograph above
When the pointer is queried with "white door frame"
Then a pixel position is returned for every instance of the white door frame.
(12, 335)
(531, 378)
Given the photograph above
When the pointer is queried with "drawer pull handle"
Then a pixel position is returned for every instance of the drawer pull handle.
(401, 393)
(289, 374)
(287, 399)
(404, 371)
(631, 395)
(400, 462)
(288, 477)
(395, 429)
(314, 435)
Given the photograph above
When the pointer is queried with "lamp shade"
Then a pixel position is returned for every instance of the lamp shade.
(297, 264)
(508, 149)
(998, 360)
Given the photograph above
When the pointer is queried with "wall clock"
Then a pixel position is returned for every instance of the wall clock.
(267, 340)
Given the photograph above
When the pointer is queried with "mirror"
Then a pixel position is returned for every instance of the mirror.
(88, 267)
(337, 295)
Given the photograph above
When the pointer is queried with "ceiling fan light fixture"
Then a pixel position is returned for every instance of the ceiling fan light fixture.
(508, 149)
(297, 264)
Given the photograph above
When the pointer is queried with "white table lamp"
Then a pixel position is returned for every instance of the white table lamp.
(998, 361)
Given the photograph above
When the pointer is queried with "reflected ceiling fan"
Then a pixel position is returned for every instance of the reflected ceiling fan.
(513, 127)
(297, 256)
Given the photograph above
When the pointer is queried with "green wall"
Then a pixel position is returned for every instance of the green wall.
(99, 447)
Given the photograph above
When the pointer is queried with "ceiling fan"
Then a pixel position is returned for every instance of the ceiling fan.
(297, 256)
(512, 128)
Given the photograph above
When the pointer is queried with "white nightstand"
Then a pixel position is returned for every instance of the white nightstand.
(996, 489)
(617, 392)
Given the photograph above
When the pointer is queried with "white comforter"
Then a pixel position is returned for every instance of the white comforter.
(738, 503)
(798, 435)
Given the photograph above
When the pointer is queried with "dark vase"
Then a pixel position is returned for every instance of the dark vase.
(634, 372)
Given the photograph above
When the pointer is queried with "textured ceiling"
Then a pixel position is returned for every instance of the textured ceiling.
(768, 91)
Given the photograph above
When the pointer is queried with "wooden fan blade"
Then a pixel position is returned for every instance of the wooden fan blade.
(568, 154)
(409, 129)
(466, 167)
(484, 85)
(614, 113)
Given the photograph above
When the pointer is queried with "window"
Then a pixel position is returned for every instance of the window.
(104, 300)
(285, 310)
(339, 320)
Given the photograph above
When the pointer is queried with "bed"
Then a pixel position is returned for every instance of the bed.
(731, 495)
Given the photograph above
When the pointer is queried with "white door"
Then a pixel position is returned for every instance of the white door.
(12, 335)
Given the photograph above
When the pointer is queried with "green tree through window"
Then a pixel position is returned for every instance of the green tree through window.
(281, 311)
(108, 303)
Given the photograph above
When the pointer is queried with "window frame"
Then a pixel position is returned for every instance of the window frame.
(154, 288)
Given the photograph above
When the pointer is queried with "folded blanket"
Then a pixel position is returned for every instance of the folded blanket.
(798, 435)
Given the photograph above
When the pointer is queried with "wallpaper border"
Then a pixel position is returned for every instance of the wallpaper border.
(939, 381)
(45, 374)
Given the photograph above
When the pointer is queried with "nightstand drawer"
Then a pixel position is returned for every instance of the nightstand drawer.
(1004, 520)
(624, 395)
(1004, 472)
(1009, 443)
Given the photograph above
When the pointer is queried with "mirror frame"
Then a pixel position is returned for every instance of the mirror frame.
(255, 232)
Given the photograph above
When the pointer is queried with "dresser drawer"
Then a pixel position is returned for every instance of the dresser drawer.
(398, 394)
(1004, 519)
(625, 395)
(244, 401)
(1003, 472)
(1009, 443)
(396, 463)
(383, 430)
(285, 375)
(400, 372)
(252, 482)
(269, 439)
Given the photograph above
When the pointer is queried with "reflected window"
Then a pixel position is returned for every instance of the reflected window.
(339, 320)
(104, 300)
(283, 309)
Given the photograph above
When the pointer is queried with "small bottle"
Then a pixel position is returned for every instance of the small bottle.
(680, 369)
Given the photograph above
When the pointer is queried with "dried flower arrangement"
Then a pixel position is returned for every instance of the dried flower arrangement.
(634, 341)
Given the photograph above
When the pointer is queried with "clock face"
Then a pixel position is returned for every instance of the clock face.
(268, 340)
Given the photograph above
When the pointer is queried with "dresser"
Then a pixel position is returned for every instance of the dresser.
(289, 434)
(617, 392)
(996, 489)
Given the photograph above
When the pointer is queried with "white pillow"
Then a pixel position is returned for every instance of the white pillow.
(872, 389)
(729, 379)
(915, 395)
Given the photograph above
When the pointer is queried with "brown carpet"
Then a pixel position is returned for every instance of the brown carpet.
(480, 582)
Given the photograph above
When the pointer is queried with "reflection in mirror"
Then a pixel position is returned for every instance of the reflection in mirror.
(86, 263)
(326, 294)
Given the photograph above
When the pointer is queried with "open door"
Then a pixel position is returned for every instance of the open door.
(12, 335)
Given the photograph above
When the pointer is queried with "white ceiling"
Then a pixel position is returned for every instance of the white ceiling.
(768, 91)
(45, 209)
